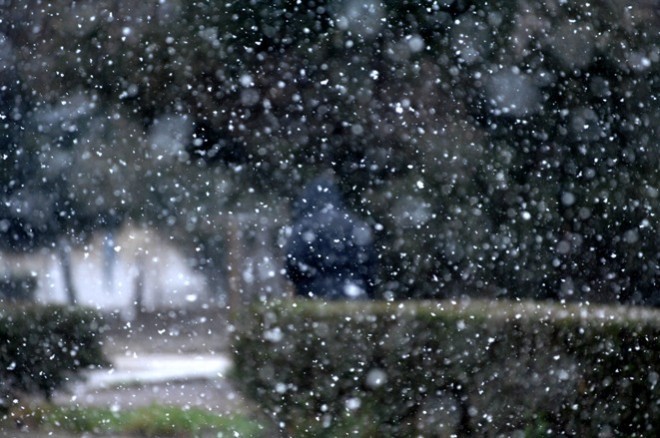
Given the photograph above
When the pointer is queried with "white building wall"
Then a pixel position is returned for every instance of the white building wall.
(168, 280)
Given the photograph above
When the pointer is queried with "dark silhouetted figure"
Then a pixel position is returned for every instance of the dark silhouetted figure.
(330, 252)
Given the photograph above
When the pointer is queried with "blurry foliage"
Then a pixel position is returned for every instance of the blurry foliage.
(147, 421)
(43, 347)
(425, 368)
(18, 287)
(499, 149)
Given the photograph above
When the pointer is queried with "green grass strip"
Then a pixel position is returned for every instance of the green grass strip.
(150, 421)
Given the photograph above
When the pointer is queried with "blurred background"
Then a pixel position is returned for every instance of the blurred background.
(150, 150)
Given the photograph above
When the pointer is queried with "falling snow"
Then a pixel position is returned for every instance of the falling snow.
(180, 166)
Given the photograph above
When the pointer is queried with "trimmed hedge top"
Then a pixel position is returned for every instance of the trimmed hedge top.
(486, 367)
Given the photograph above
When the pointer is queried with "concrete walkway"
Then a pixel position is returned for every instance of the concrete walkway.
(171, 379)
(158, 368)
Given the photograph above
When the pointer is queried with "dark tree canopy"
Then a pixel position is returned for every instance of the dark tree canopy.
(502, 149)
(330, 251)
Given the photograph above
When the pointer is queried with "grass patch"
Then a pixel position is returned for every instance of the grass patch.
(150, 421)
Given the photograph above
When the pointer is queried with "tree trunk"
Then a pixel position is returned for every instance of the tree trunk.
(216, 280)
(64, 253)
(109, 261)
(138, 285)
(234, 267)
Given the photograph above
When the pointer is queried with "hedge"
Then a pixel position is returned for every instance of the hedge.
(440, 368)
(41, 347)
(18, 287)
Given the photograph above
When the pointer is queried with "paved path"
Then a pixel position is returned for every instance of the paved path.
(158, 368)
(174, 379)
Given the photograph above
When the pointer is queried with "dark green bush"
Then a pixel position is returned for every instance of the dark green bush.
(41, 347)
(437, 368)
(18, 287)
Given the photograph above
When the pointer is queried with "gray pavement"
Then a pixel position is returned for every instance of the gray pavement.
(173, 379)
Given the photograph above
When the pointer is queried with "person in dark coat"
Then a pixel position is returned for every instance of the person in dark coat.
(330, 252)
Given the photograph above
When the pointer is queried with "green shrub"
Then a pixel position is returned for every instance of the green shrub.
(437, 368)
(16, 287)
(41, 347)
